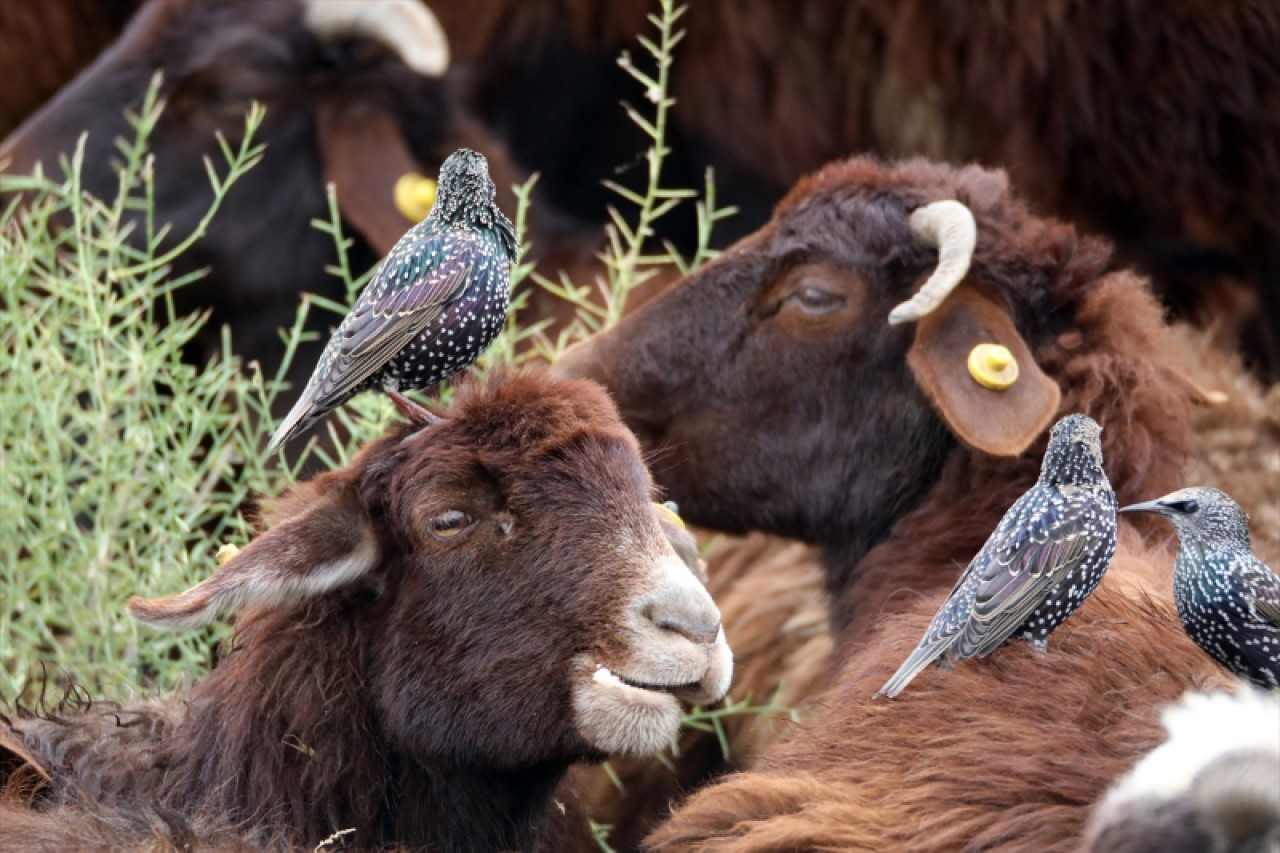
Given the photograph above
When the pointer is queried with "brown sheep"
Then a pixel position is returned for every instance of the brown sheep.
(358, 101)
(769, 592)
(429, 638)
(1156, 127)
(776, 397)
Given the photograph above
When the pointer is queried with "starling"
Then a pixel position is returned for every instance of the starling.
(438, 300)
(1042, 561)
(1228, 600)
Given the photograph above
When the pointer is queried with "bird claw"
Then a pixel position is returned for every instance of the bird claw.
(416, 413)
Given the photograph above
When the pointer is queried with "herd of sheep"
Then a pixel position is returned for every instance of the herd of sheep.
(437, 644)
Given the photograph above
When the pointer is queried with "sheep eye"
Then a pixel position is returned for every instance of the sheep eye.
(815, 300)
(449, 524)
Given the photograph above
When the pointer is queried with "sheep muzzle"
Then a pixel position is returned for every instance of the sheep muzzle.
(674, 649)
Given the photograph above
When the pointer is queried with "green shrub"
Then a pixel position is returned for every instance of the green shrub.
(124, 469)
(120, 466)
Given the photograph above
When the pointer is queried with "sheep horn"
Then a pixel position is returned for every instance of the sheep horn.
(948, 226)
(406, 26)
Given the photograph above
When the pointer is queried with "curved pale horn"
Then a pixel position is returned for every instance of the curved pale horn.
(948, 226)
(406, 26)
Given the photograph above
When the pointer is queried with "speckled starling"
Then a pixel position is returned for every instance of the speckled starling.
(1228, 600)
(438, 300)
(1042, 561)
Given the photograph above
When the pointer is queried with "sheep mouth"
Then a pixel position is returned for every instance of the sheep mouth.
(604, 675)
(633, 715)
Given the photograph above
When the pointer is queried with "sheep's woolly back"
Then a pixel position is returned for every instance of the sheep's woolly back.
(1006, 753)
(44, 45)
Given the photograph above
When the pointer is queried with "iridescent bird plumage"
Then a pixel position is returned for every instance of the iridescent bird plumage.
(435, 304)
(1041, 562)
(1228, 600)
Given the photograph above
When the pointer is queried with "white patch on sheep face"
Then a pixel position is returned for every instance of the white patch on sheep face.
(620, 719)
(1202, 727)
(674, 649)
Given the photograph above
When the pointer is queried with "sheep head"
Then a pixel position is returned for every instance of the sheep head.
(815, 376)
(521, 600)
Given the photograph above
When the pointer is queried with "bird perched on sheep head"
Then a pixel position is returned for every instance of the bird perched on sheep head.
(437, 301)
(1042, 561)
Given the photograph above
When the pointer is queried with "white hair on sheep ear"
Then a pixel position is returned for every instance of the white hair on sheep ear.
(295, 561)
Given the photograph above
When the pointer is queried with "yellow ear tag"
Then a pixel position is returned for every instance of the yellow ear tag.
(670, 514)
(226, 552)
(993, 366)
(414, 196)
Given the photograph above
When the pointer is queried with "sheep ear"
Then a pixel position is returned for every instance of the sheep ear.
(682, 541)
(364, 155)
(1000, 421)
(331, 543)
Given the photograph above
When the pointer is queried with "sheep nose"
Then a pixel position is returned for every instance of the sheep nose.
(703, 633)
(683, 606)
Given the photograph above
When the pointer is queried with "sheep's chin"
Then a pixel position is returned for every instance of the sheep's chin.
(620, 718)
(616, 713)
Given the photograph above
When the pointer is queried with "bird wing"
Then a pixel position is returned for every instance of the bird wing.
(1264, 590)
(1021, 566)
(434, 274)
(1036, 544)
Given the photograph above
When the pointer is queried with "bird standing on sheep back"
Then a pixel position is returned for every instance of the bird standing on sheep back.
(1042, 561)
(1228, 600)
(436, 303)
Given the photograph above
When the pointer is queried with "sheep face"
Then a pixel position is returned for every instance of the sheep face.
(336, 107)
(769, 380)
(776, 388)
(518, 600)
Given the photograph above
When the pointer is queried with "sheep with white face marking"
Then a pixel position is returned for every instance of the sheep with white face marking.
(1212, 787)
(428, 639)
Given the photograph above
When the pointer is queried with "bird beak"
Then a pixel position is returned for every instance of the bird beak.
(1149, 506)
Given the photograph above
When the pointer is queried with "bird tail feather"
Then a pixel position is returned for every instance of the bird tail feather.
(924, 655)
(299, 418)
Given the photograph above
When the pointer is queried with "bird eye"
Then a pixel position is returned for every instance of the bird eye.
(447, 525)
(815, 300)
(1190, 506)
